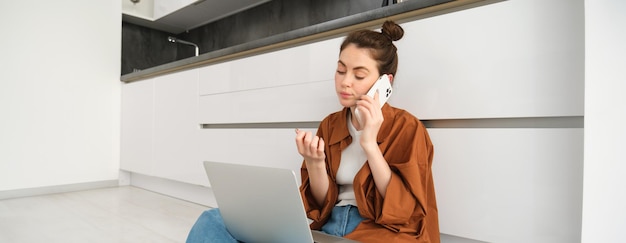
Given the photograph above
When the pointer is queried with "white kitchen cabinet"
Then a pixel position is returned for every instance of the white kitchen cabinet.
(176, 128)
(160, 129)
(509, 184)
(509, 59)
(137, 127)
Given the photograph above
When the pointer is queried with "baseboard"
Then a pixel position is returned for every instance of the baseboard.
(193, 193)
(38, 191)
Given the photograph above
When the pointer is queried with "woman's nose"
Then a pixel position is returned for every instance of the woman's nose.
(346, 81)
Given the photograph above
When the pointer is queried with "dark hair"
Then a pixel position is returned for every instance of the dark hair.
(380, 44)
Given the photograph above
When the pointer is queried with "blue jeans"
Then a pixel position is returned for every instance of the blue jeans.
(343, 220)
(210, 225)
(210, 228)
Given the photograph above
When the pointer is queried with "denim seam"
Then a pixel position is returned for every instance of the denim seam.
(344, 223)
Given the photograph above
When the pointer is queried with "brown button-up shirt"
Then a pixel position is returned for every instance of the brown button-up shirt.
(408, 213)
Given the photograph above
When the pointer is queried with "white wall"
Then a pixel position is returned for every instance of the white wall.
(59, 92)
(604, 216)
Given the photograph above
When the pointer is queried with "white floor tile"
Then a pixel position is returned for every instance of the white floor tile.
(121, 214)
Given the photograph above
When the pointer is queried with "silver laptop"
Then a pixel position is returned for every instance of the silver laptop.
(261, 204)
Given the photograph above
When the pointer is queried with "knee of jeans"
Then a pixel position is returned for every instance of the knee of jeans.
(209, 215)
(212, 211)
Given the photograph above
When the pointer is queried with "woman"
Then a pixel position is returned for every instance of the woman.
(371, 180)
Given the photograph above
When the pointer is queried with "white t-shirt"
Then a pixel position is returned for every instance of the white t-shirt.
(352, 159)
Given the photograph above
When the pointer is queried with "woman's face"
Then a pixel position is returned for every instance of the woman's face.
(356, 73)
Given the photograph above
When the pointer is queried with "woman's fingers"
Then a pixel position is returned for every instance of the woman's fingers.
(370, 110)
(314, 141)
(300, 141)
(320, 148)
(309, 145)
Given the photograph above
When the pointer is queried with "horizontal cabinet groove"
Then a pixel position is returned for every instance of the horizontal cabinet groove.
(518, 122)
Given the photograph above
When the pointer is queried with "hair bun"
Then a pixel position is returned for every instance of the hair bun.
(392, 30)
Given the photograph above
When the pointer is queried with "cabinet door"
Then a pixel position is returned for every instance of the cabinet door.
(289, 85)
(466, 65)
(137, 126)
(176, 128)
(509, 184)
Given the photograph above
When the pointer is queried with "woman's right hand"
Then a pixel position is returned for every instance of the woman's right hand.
(311, 147)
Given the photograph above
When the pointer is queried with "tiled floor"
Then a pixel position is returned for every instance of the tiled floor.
(120, 214)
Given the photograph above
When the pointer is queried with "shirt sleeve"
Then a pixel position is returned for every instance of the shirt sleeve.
(318, 213)
(409, 153)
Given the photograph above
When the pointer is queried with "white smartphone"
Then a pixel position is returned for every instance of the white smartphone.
(383, 86)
